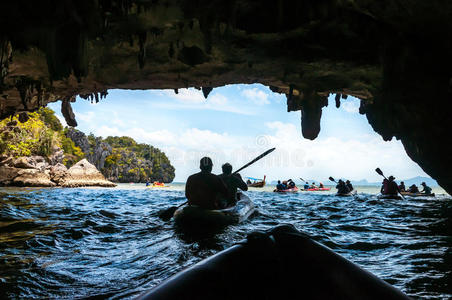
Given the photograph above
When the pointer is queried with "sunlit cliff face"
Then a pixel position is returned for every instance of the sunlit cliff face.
(393, 55)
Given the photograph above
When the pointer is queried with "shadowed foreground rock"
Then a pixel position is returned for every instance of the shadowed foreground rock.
(394, 55)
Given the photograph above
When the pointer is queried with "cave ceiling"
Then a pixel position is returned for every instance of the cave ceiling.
(393, 55)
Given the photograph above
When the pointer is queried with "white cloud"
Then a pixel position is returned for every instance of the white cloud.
(218, 99)
(189, 96)
(194, 99)
(256, 96)
(336, 157)
(85, 117)
(294, 156)
(350, 106)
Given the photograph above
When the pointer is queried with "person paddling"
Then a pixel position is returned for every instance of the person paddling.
(205, 189)
(413, 189)
(349, 185)
(427, 190)
(390, 186)
(232, 182)
(290, 184)
(402, 187)
(306, 185)
(280, 186)
(342, 187)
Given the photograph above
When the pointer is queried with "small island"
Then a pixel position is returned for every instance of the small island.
(35, 150)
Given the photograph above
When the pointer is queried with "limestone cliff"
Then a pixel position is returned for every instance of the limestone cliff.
(394, 55)
(121, 159)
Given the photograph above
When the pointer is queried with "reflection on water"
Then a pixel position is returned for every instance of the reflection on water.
(65, 243)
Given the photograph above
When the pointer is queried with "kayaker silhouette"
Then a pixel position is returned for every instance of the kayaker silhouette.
(349, 185)
(232, 182)
(342, 187)
(205, 189)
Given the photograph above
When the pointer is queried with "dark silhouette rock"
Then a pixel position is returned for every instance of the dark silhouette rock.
(396, 59)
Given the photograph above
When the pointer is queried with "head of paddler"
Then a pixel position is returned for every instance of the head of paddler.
(423, 184)
(227, 169)
(205, 164)
(391, 178)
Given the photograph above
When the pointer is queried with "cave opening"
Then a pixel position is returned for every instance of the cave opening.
(237, 122)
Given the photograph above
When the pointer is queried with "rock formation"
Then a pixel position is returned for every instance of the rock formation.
(85, 174)
(121, 159)
(37, 172)
(394, 55)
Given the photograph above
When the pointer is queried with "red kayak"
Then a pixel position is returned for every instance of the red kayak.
(291, 190)
(317, 189)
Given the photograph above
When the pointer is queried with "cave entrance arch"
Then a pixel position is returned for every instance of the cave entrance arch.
(236, 122)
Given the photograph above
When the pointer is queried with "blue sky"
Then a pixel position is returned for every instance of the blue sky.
(238, 122)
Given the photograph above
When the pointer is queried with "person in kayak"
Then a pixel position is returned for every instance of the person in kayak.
(413, 189)
(280, 186)
(205, 189)
(306, 185)
(390, 186)
(290, 184)
(321, 185)
(427, 190)
(402, 187)
(232, 182)
(342, 187)
(349, 185)
(313, 186)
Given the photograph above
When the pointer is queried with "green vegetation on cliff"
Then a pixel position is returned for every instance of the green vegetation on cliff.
(135, 162)
(120, 159)
(42, 134)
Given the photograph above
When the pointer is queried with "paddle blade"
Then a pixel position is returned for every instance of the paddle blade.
(332, 179)
(302, 179)
(167, 213)
(379, 171)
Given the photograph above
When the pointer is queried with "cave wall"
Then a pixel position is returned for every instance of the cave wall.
(393, 55)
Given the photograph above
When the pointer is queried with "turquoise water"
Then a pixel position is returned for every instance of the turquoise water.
(72, 243)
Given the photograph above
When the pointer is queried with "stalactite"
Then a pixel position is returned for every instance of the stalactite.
(206, 91)
(338, 100)
(66, 110)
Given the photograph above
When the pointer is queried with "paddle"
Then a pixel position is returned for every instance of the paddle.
(169, 212)
(332, 179)
(380, 172)
(302, 179)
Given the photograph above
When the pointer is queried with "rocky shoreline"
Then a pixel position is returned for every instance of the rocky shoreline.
(37, 171)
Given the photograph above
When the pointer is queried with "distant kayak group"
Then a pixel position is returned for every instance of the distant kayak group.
(389, 188)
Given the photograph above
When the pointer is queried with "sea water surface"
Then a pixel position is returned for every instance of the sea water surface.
(110, 243)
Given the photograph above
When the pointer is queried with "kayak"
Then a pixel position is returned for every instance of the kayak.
(417, 194)
(281, 263)
(193, 219)
(395, 197)
(291, 190)
(316, 189)
(351, 193)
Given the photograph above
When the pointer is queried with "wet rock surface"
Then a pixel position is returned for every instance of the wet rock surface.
(393, 55)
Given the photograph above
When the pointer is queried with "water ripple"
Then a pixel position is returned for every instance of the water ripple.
(110, 243)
